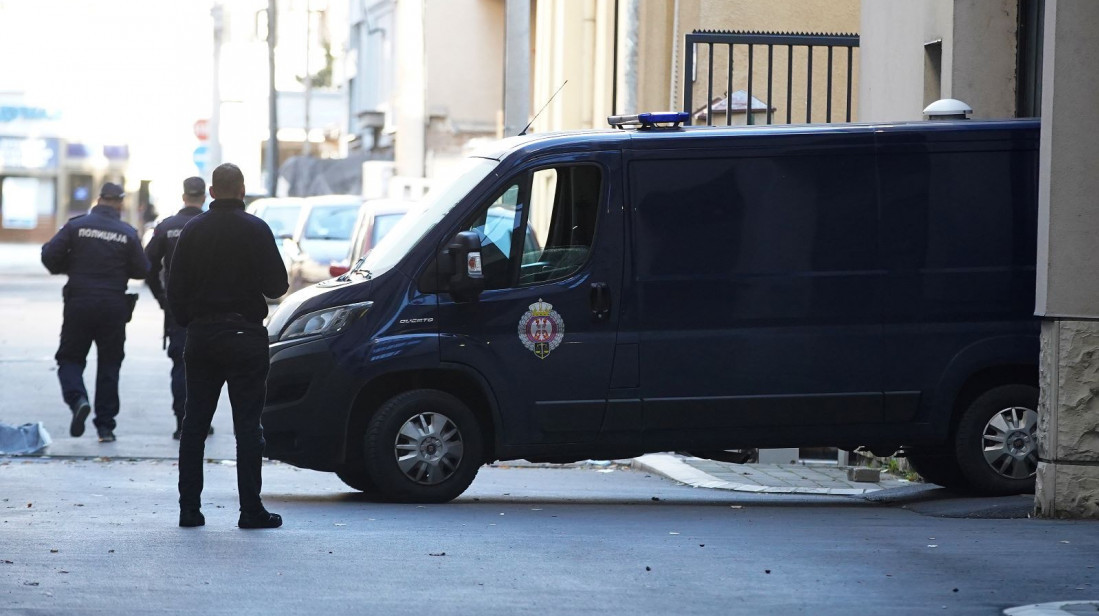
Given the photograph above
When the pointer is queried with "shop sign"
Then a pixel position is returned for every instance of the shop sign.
(11, 113)
(28, 153)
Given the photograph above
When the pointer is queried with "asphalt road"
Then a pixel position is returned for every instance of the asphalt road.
(100, 536)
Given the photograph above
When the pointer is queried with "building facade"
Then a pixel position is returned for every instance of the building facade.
(633, 60)
(48, 171)
(424, 80)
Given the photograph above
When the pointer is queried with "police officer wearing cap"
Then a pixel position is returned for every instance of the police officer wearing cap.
(225, 262)
(99, 253)
(159, 251)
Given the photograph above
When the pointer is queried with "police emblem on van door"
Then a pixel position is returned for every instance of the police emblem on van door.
(541, 329)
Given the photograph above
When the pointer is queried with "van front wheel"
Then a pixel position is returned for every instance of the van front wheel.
(423, 446)
(997, 441)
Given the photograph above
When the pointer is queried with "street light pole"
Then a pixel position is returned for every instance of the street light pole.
(272, 101)
(215, 113)
(305, 148)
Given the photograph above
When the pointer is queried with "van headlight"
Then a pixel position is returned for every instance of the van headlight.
(324, 322)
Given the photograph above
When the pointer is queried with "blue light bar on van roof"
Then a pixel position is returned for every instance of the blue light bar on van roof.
(651, 119)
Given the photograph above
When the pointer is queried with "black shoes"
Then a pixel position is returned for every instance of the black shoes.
(263, 519)
(190, 518)
(81, 409)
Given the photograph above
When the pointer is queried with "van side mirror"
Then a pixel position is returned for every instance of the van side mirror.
(460, 264)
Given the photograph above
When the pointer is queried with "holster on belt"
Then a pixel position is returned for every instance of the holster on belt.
(131, 301)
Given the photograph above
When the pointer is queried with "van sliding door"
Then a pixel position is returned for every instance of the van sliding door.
(757, 291)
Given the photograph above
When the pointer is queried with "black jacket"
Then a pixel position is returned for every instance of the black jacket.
(161, 248)
(98, 251)
(225, 261)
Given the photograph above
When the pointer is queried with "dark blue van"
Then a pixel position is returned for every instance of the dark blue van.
(609, 293)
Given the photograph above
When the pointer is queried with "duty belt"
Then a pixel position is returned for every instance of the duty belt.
(220, 317)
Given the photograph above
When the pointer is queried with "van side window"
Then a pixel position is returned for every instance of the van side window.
(558, 226)
(564, 202)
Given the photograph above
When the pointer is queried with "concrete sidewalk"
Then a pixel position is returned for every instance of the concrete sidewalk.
(21, 259)
(812, 478)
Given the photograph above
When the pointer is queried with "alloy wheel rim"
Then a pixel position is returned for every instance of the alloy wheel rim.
(1010, 442)
(428, 448)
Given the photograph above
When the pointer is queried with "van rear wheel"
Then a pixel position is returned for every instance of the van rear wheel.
(423, 446)
(997, 443)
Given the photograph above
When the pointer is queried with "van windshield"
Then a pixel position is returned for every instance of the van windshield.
(425, 214)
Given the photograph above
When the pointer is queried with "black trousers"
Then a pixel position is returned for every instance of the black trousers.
(177, 337)
(100, 319)
(218, 353)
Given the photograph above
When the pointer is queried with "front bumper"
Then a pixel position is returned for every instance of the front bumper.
(309, 398)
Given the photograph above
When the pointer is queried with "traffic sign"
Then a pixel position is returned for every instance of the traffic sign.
(202, 158)
(202, 129)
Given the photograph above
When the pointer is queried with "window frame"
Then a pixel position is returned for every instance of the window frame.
(525, 181)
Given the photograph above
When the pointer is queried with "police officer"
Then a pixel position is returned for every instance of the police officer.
(159, 251)
(99, 253)
(225, 262)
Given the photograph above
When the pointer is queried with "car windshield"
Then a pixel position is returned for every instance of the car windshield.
(425, 214)
(383, 224)
(282, 219)
(331, 222)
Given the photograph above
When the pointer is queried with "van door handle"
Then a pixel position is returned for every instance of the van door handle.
(600, 301)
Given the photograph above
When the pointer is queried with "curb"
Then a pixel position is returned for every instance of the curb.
(675, 469)
(1054, 609)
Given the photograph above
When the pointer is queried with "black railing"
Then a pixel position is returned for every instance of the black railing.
(791, 42)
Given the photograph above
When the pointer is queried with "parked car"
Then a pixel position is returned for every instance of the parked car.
(683, 289)
(323, 237)
(284, 215)
(376, 218)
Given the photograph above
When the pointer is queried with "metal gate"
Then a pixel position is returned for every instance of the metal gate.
(800, 50)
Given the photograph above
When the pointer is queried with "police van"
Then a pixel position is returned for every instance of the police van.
(658, 287)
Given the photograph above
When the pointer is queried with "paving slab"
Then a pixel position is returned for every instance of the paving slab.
(762, 478)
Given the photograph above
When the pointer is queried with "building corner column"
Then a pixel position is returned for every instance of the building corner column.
(1067, 289)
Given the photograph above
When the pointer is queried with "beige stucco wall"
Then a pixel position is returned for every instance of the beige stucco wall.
(978, 56)
(894, 32)
(463, 77)
(1068, 231)
(984, 58)
(573, 43)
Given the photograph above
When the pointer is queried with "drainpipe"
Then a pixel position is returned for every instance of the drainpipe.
(629, 94)
(673, 89)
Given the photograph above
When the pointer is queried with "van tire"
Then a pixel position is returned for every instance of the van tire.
(357, 478)
(996, 440)
(437, 437)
